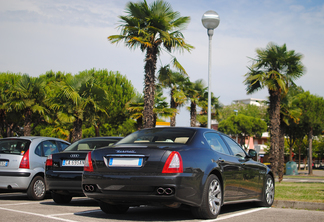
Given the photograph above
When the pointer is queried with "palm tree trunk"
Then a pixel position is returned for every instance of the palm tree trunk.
(193, 114)
(174, 106)
(2, 122)
(97, 132)
(281, 164)
(291, 142)
(9, 129)
(77, 130)
(27, 122)
(274, 129)
(299, 157)
(149, 88)
(139, 123)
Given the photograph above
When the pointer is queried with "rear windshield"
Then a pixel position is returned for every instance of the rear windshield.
(88, 145)
(14, 146)
(159, 135)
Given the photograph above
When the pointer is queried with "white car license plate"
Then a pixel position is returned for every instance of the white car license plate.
(125, 162)
(73, 163)
(3, 163)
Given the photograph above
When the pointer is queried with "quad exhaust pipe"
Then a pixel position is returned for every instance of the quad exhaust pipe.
(164, 190)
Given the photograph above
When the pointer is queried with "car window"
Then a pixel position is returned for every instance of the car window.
(88, 145)
(159, 135)
(49, 147)
(216, 143)
(63, 145)
(38, 150)
(14, 146)
(236, 149)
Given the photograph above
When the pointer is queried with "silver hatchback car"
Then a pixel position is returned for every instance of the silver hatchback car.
(22, 163)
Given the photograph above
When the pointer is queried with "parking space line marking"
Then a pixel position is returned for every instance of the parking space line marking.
(238, 214)
(56, 215)
(16, 204)
(40, 215)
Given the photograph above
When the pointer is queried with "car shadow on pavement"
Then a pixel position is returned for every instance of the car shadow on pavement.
(16, 195)
(159, 213)
(83, 202)
(143, 213)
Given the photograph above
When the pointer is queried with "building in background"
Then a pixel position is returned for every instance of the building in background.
(252, 101)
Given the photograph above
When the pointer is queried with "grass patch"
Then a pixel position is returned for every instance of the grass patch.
(303, 177)
(307, 192)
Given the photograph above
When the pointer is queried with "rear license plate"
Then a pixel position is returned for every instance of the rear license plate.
(3, 163)
(73, 163)
(125, 162)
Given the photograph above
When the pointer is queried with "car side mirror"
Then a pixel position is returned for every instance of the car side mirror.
(252, 153)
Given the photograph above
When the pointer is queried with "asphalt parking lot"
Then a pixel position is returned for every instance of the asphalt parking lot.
(17, 207)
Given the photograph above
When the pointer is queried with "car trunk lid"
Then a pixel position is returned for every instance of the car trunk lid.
(131, 159)
(68, 161)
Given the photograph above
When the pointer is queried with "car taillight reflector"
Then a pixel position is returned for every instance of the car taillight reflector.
(88, 163)
(24, 163)
(173, 164)
(49, 160)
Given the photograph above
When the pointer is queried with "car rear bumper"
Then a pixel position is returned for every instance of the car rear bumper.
(16, 181)
(135, 190)
(63, 181)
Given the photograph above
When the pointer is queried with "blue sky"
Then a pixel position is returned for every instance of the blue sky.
(71, 36)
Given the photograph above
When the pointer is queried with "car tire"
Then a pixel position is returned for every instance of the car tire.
(37, 189)
(211, 199)
(268, 192)
(60, 198)
(113, 209)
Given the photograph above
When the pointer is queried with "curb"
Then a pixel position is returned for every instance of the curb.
(298, 205)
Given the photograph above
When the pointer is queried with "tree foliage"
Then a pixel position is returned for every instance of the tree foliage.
(243, 126)
(152, 28)
(312, 118)
(62, 105)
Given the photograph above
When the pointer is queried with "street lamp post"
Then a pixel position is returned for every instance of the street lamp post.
(210, 21)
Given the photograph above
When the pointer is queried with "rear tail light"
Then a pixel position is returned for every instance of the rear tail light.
(173, 164)
(24, 163)
(88, 163)
(49, 160)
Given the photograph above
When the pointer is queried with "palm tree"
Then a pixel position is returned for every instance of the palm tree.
(273, 68)
(175, 82)
(27, 96)
(161, 108)
(135, 107)
(195, 92)
(216, 106)
(9, 118)
(152, 28)
(77, 99)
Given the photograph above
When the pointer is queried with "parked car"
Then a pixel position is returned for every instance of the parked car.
(173, 166)
(63, 172)
(22, 163)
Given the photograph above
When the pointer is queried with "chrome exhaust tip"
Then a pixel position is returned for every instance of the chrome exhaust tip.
(168, 191)
(160, 190)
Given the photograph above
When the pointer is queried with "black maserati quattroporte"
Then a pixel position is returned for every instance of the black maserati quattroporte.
(197, 167)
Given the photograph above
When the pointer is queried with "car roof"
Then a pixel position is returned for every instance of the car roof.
(184, 127)
(101, 137)
(31, 138)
